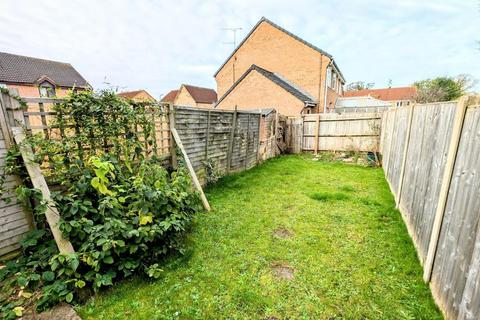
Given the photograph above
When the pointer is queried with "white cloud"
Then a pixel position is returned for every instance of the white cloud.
(159, 44)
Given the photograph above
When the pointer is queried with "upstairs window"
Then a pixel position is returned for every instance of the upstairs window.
(333, 85)
(46, 89)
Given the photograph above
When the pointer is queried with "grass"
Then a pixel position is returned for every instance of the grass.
(346, 245)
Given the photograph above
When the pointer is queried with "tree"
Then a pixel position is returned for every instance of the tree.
(443, 88)
(359, 85)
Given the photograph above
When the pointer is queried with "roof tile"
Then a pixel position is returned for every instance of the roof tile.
(385, 94)
(21, 69)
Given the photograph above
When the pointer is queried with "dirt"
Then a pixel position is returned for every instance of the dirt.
(283, 271)
(283, 233)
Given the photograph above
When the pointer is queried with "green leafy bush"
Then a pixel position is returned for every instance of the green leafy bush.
(121, 210)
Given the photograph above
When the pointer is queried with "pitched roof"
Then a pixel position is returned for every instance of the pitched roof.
(277, 79)
(170, 97)
(263, 19)
(386, 94)
(133, 94)
(22, 69)
(201, 95)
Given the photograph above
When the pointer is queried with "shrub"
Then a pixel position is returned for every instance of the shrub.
(121, 211)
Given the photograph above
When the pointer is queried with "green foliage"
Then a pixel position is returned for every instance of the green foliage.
(7, 92)
(119, 207)
(359, 85)
(213, 173)
(443, 88)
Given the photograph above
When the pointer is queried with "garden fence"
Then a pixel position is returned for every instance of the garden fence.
(431, 158)
(335, 132)
(216, 142)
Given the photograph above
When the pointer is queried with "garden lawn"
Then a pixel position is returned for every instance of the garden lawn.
(290, 239)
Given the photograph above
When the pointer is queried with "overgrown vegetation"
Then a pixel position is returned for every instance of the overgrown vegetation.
(348, 258)
(120, 209)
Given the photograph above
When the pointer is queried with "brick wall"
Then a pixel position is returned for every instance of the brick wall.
(184, 98)
(276, 51)
(32, 91)
(258, 92)
(143, 96)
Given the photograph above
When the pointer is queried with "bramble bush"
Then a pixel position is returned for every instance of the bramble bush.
(120, 208)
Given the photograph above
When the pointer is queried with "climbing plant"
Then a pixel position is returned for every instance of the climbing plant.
(119, 207)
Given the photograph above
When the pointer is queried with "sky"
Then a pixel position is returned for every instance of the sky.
(158, 45)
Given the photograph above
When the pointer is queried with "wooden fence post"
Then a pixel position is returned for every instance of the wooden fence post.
(196, 183)
(207, 136)
(404, 158)
(230, 142)
(38, 181)
(446, 180)
(317, 128)
(173, 150)
(246, 145)
(259, 132)
(3, 121)
(37, 178)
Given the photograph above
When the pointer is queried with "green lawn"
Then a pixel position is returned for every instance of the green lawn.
(331, 228)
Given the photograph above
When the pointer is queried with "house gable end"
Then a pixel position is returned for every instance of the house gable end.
(263, 19)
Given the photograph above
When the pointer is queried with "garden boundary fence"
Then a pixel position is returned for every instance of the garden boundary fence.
(431, 158)
(335, 132)
(216, 142)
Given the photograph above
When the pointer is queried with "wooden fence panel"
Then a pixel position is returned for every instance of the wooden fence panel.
(455, 279)
(397, 143)
(460, 227)
(206, 134)
(15, 221)
(295, 135)
(341, 132)
(425, 162)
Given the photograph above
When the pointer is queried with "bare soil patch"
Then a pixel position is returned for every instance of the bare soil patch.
(283, 233)
(283, 271)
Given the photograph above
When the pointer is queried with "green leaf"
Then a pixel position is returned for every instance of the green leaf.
(74, 263)
(144, 219)
(80, 283)
(18, 311)
(108, 259)
(69, 297)
(48, 276)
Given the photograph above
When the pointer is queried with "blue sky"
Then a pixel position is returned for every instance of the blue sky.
(157, 45)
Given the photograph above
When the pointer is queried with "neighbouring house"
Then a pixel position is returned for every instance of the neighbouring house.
(34, 77)
(397, 97)
(361, 104)
(137, 95)
(191, 96)
(272, 67)
(170, 97)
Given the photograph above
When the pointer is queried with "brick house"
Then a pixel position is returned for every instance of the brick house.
(34, 77)
(192, 96)
(397, 97)
(272, 67)
(137, 95)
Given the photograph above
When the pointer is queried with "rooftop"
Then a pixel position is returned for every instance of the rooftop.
(28, 70)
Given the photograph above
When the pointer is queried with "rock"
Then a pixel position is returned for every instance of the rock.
(61, 311)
